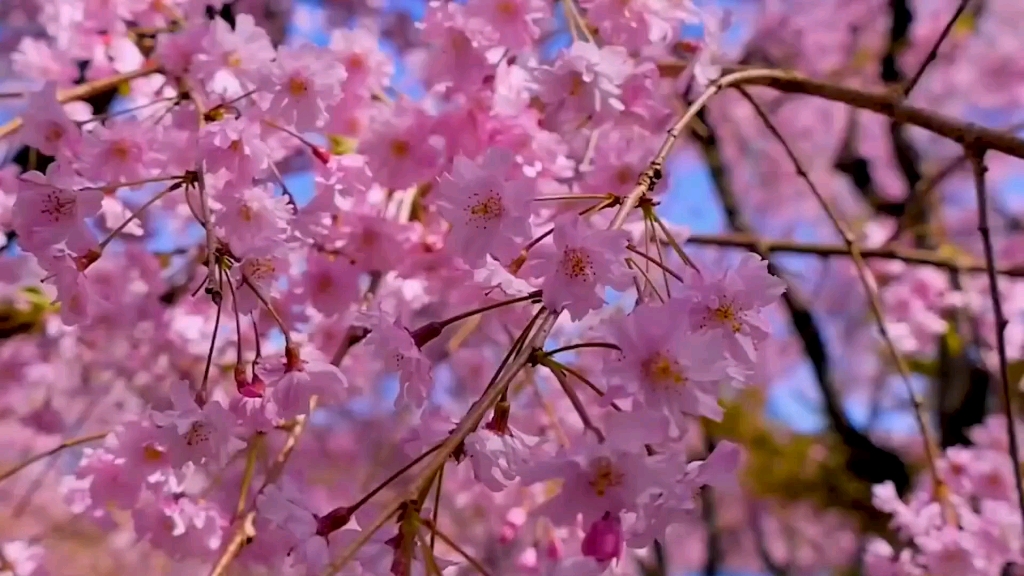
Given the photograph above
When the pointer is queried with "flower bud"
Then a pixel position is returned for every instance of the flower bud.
(603, 540)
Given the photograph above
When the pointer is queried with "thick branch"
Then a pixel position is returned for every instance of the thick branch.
(882, 103)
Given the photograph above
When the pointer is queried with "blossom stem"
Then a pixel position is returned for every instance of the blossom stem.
(466, 426)
(563, 439)
(201, 396)
(270, 308)
(516, 264)
(494, 306)
(574, 398)
(631, 263)
(676, 246)
(557, 197)
(247, 529)
(654, 261)
(255, 443)
(113, 114)
(238, 325)
(284, 188)
(337, 518)
(978, 164)
(607, 345)
(437, 504)
(586, 381)
(138, 212)
(59, 448)
(477, 565)
(179, 178)
(211, 241)
(428, 555)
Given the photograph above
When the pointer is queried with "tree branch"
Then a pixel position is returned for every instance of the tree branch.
(866, 460)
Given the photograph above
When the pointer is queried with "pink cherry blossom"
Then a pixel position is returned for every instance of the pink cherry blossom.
(579, 263)
(48, 127)
(45, 214)
(488, 206)
(274, 307)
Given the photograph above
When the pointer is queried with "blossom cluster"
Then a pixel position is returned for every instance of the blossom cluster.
(475, 185)
(469, 343)
(974, 529)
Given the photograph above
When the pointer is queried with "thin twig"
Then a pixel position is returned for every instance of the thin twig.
(934, 52)
(60, 447)
(466, 426)
(977, 158)
(477, 565)
(930, 445)
(908, 255)
(246, 530)
(84, 91)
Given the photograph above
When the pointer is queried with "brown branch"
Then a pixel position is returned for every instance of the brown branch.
(909, 255)
(879, 102)
(84, 91)
(42, 455)
(869, 290)
(246, 529)
(866, 460)
(466, 426)
(934, 52)
(977, 158)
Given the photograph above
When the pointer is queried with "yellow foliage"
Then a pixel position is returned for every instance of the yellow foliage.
(965, 25)
(789, 467)
(24, 316)
(340, 145)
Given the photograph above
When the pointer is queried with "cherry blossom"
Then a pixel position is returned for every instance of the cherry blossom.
(510, 287)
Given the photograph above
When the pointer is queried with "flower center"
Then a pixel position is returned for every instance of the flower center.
(198, 433)
(625, 176)
(120, 150)
(605, 475)
(490, 208)
(54, 134)
(576, 84)
(259, 269)
(355, 63)
(400, 148)
(324, 283)
(152, 454)
(662, 369)
(726, 315)
(233, 60)
(577, 264)
(58, 206)
(246, 213)
(506, 8)
(298, 86)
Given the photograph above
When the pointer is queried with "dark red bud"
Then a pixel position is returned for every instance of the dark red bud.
(292, 360)
(334, 520)
(424, 334)
(321, 154)
(254, 388)
(88, 259)
(499, 421)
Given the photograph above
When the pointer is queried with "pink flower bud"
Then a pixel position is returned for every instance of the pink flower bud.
(603, 540)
